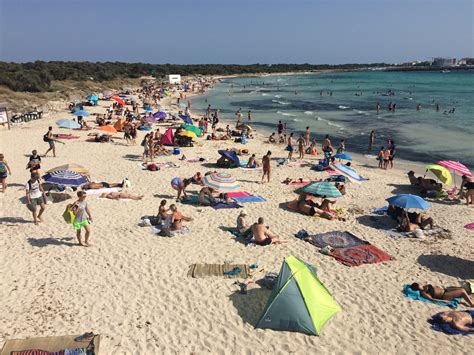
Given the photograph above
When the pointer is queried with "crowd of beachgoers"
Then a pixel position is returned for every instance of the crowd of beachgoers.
(201, 181)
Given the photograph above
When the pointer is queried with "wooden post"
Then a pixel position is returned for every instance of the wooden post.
(4, 115)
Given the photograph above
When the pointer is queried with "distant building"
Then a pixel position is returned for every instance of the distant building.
(174, 79)
(466, 61)
(444, 62)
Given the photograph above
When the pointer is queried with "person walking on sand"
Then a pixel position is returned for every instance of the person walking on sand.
(266, 166)
(48, 137)
(280, 129)
(4, 172)
(35, 197)
(371, 139)
(249, 115)
(289, 147)
(307, 136)
(80, 210)
(301, 144)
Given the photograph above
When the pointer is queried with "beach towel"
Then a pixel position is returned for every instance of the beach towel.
(248, 199)
(446, 328)
(416, 295)
(436, 232)
(222, 270)
(350, 172)
(55, 345)
(247, 168)
(331, 171)
(360, 254)
(157, 229)
(223, 205)
(335, 239)
(65, 136)
(103, 190)
(379, 211)
(191, 200)
(298, 183)
(238, 194)
(469, 226)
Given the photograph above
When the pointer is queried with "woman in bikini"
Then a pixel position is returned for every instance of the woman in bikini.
(436, 293)
(310, 208)
(177, 218)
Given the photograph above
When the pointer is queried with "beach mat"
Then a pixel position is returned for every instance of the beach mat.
(416, 295)
(222, 205)
(248, 199)
(191, 200)
(360, 255)
(50, 344)
(210, 270)
(103, 190)
(238, 194)
(336, 239)
(446, 328)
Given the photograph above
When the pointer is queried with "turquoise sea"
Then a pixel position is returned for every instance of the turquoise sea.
(350, 112)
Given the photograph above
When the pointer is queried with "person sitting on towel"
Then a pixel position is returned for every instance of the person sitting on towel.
(206, 197)
(458, 320)
(441, 294)
(272, 138)
(177, 218)
(262, 235)
(252, 163)
(92, 185)
(242, 227)
(311, 208)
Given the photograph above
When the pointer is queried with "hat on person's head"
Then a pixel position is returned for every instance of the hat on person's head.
(243, 213)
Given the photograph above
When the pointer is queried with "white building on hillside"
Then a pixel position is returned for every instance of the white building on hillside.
(174, 79)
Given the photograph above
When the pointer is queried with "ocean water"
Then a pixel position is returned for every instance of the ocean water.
(350, 112)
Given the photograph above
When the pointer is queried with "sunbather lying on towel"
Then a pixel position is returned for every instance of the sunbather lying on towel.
(177, 218)
(262, 235)
(457, 319)
(436, 293)
(311, 208)
(289, 181)
(161, 150)
(101, 185)
(121, 196)
(101, 138)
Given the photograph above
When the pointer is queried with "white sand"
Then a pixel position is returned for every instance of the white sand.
(132, 288)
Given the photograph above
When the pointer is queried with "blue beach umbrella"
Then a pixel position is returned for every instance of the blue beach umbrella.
(82, 113)
(407, 201)
(92, 97)
(160, 115)
(343, 156)
(65, 177)
(68, 124)
(186, 119)
(322, 189)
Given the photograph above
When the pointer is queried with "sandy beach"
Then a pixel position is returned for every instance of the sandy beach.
(131, 286)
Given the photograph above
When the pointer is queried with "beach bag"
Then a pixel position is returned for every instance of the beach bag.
(68, 215)
(45, 138)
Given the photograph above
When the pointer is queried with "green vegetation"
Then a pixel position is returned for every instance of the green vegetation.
(38, 76)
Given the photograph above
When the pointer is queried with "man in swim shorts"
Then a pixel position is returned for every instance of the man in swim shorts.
(468, 184)
(262, 234)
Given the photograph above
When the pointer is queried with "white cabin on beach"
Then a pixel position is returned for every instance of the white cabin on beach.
(174, 79)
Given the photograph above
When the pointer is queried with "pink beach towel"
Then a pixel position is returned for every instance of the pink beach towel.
(332, 172)
(238, 194)
(469, 226)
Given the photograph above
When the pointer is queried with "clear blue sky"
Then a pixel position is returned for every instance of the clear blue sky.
(231, 31)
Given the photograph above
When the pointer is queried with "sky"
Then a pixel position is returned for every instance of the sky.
(235, 31)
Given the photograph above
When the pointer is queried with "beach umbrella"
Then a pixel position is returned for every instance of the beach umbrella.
(119, 100)
(221, 181)
(148, 108)
(82, 113)
(68, 124)
(186, 119)
(322, 189)
(64, 177)
(189, 134)
(407, 201)
(160, 115)
(343, 156)
(110, 129)
(441, 173)
(76, 168)
(455, 166)
(196, 130)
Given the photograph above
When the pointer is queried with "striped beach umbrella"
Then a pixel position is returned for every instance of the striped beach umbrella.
(322, 189)
(76, 168)
(221, 181)
(64, 177)
(455, 166)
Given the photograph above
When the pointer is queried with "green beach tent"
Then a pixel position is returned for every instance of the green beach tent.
(299, 301)
(194, 129)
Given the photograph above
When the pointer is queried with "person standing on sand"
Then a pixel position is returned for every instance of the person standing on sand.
(249, 115)
(289, 147)
(280, 128)
(266, 166)
(35, 197)
(48, 137)
(392, 148)
(377, 108)
(308, 136)
(301, 144)
(80, 209)
(4, 172)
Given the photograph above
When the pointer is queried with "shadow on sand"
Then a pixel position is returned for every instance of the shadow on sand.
(448, 265)
(11, 221)
(251, 305)
(44, 242)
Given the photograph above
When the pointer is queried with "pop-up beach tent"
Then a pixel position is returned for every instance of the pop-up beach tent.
(230, 155)
(299, 301)
(167, 138)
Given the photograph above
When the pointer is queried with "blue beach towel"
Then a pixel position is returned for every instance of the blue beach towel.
(247, 199)
(222, 205)
(415, 295)
(446, 328)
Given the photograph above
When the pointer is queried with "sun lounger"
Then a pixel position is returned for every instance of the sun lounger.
(51, 344)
